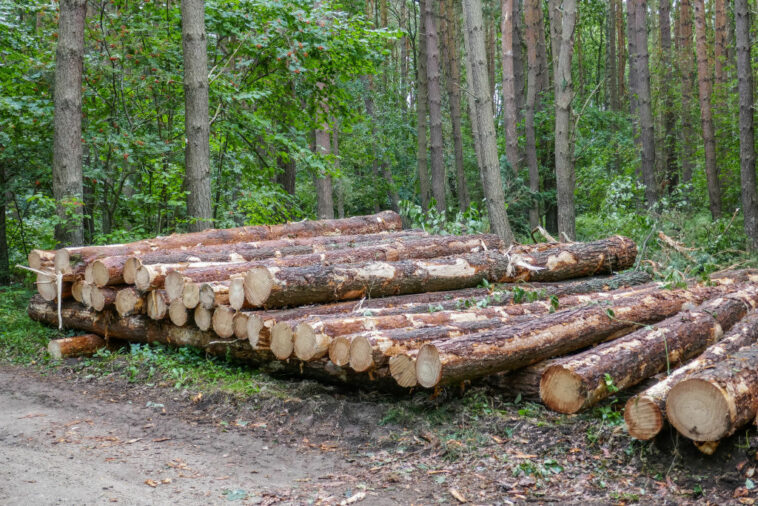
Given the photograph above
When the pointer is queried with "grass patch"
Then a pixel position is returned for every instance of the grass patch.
(22, 340)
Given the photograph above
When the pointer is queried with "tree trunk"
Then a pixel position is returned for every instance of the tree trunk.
(611, 72)
(516, 346)
(644, 106)
(687, 72)
(518, 62)
(489, 164)
(669, 119)
(644, 413)
(439, 178)
(713, 403)
(287, 286)
(583, 380)
(705, 89)
(67, 136)
(340, 190)
(720, 33)
(747, 133)
(196, 118)
(631, 12)
(533, 21)
(85, 345)
(5, 272)
(510, 109)
(323, 181)
(449, 44)
(620, 49)
(564, 95)
(422, 102)
(287, 175)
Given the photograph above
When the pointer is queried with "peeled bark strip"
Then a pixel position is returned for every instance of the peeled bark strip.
(223, 321)
(78, 346)
(579, 382)
(645, 413)
(371, 224)
(276, 287)
(177, 313)
(157, 304)
(713, 403)
(102, 297)
(129, 301)
(516, 346)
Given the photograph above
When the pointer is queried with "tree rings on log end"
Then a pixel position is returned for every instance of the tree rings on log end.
(46, 287)
(157, 303)
(87, 294)
(282, 343)
(174, 285)
(144, 277)
(339, 351)
(561, 390)
(223, 321)
(191, 295)
(177, 313)
(203, 318)
(258, 284)
(254, 327)
(699, 410)
(239, 322)
(237, 293)
(361, 354)
(127, 301)
(62, 261)
(76, 290)
(100, 275)
(309, 345)
(403, 370)
(130, 270)
(428, 366)
(643, 418)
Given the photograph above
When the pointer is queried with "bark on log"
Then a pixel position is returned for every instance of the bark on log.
(516, 346)
(102, 297)
(77, 346)
(276, 287)
(581, 381)
(645, 413)
(713, 403)
(157, 304)
(129, 301)
(381, 222)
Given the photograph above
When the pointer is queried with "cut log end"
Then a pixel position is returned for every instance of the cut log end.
(156, 304)
(561, 390)
(403, 370)
(76, 290)
(207, 296)
(203, 318)
(34, 258)
(177, 313)
(100, 275)
(128, 301)
(258, 284)
(77, 346)
(144, 277)
(62, 261)
(46, 287)
(699, 410)
(237, 293)
(99, 298)
(223, 321)
(643, 417)
(254, 327)
(282, 344)
(428, 366)
(130, 270)
(361, 354)
(240, 325)
(339, 351)
(191, 295)
(88, 276)
(174, 284)
(87, 294)
(304, 342)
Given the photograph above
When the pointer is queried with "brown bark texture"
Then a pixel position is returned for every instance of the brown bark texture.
(439, 179)
(422, 105)
(77, 346)
(687, 73)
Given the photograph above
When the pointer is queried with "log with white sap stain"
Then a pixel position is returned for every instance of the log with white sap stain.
(78, 346)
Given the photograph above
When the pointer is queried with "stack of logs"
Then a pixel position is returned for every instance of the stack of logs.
(361, 300)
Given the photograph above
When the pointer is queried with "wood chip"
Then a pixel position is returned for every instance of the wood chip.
(457, 495)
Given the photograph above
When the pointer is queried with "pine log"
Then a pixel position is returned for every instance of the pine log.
(78, 346)
(519, 345)
(40, 259)
(277, 287)
(129, 301)
(384, 221)
(581, 381)
(102, 297)
(714, 402)
(237, 293)
(48, 289)
(191, 295)
(282, 341)
(177, 313)
(214, 294)
(87, 294)
(76, 290)
(239, 324)
(403, 370)
(645, 413)
(125, 266)
(223, 321)
(156, 304)
(203, 318)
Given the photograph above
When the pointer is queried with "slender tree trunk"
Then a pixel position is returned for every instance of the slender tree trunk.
(490, 46)
(631, 12)
(484, 119)
(510, 114)
(669, 120)
(439, 178)
(323, 182)
(720, 33)
(403, 95)
(705, 89)
(287, 175)
(421, 106)
(67, 137)
(612, 78)
(196, 120)
(532, 17)
(449, 47)
(341, 181)
(368, 101)
(518, 61)
(564, 95)
(686, 70)
(642, 74)
(620, 49)
(5, 274)
(747, 133)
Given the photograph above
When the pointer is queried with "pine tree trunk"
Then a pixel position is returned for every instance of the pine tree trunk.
(323, 181)
(510, 109)
(439, 179)
(687, 72)
(620, 49)
(422, 102)
(611, 77)
(644, 106)
(747, 133)
(483, 117)
(287, 172)
(67, 135)
(669, 120)
(705, 90)
(534, 38)
(5, 273)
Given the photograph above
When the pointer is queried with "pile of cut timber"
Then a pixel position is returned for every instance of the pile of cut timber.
(361, 300)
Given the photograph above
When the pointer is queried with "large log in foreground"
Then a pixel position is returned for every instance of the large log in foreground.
(277, 287)
(645, 413)
(517, 346)
(581, 381)
(77, 346)
(384, 221)
(713, 403)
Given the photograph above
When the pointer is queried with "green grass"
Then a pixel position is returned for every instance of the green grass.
(22, 340)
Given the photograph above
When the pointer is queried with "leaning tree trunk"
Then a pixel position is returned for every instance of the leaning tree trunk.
(581, 381)
(439, 178)
(645, 413)
(197, 156)
(286, 286)
(67, 133)
(479, 89)
(713, 403)
(747, 134)
(517, 346)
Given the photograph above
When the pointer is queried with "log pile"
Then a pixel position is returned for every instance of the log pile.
(360, 300)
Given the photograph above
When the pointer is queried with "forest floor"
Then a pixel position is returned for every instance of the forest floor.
(78, 433)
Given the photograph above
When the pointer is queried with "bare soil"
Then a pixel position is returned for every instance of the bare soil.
(70, 438)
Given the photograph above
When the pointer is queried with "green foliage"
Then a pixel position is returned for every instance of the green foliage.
(22, 340)
(470, 221)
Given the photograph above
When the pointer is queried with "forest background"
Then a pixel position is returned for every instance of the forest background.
(588, 118)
